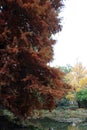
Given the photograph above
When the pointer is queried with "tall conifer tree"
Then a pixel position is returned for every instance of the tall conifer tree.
(27, 82)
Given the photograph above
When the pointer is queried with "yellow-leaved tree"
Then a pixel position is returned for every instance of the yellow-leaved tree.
(77, 78)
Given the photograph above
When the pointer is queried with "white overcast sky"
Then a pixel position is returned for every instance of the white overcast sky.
(71, 42)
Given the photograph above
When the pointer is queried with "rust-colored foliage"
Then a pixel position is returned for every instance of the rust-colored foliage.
(26, 81)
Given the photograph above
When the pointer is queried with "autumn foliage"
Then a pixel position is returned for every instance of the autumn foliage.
(27, 82)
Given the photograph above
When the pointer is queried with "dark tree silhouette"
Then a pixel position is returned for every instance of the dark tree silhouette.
(27, 82)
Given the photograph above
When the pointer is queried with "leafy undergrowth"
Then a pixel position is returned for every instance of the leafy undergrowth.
(57, 114)
(67, 113)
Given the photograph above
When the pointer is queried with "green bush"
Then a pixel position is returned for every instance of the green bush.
(81, 98)
(81, 95)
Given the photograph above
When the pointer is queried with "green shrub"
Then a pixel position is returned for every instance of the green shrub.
(81, 98)
(81, 95)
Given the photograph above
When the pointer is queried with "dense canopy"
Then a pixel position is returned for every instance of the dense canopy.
(27, 82)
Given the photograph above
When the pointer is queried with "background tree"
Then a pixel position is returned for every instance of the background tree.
(26, 47)
(66, 69)
(77, 78)
(83, 82)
